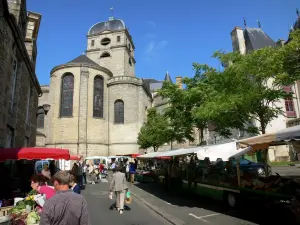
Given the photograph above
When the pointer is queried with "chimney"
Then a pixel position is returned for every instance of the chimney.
(238, 40)
(280, 42)
(179, 82)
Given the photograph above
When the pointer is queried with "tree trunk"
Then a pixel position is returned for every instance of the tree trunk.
(200, 135)
(265, 151)
(171, 144)
(155, 148)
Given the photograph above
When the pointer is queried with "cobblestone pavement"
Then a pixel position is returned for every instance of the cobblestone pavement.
(100, 212)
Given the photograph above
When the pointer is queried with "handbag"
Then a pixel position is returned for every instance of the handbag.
(128, 198)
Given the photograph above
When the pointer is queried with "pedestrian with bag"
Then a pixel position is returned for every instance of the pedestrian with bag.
(119, 186)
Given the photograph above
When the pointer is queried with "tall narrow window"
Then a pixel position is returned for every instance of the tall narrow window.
(40, 118)
(289, 103)
(9, 137)
(118, 38)
(26, 142)
(92, 43)
(98, 97)
(289, 107)
(13, 84)
(67, 91)
(119, 111)
(29, 96)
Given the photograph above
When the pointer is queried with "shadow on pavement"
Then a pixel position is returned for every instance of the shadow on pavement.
(252, 211)
(113, 207)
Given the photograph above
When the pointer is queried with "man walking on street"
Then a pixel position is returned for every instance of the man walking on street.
(65, 207)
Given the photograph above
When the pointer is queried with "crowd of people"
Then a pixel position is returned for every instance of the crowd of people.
(64, 203)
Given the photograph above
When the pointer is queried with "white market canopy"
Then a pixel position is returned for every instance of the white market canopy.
(223, 151)
(149, 155)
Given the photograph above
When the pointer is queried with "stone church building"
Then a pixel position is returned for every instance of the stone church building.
(97, 104)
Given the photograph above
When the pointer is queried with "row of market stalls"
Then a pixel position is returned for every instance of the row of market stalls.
(221, 171)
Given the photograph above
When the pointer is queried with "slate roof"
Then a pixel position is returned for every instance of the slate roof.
(83, 59)
(256, 38)
(168, 78)
(297, 24)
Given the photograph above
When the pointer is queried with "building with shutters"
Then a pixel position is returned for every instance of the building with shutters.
(249, 39)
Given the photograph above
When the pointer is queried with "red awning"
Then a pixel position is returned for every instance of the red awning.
(129, 155)
(33, 153)
(75, 157)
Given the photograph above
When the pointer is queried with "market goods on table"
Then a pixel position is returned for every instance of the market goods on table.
(20, 214)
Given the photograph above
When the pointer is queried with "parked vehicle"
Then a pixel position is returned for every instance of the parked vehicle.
(249, 166)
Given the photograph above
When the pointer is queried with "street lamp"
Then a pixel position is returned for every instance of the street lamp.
(46, 108)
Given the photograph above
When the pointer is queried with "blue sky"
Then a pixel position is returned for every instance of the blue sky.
(168, 35)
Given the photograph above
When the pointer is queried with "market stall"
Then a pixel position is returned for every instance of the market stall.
(149, 169)
(17, 166)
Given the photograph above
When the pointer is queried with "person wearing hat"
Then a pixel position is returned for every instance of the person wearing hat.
(119, 186)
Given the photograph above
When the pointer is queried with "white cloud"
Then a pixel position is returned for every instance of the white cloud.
(154, 47)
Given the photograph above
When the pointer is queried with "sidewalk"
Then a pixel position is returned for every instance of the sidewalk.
(180, 210)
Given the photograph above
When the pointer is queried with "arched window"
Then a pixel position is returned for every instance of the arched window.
(105, 55)
(40, 118)
(67, 91)
(119, 111)
(98, 97)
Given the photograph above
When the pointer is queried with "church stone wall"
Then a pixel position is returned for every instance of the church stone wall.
(123, 137)
(82, 130)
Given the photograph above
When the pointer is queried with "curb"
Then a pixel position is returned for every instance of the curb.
(155, 209)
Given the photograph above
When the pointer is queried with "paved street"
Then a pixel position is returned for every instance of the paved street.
(287, 170)
(152, 205)
(99, 203)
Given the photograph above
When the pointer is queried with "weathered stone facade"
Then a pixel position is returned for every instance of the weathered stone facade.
(19, 87)
(109, 54)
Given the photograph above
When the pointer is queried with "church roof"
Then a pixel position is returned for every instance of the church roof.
(168, 77)
(83, 59)
(256, 38)
(110, 25)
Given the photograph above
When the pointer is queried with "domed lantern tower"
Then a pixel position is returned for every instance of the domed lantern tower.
(110, 45)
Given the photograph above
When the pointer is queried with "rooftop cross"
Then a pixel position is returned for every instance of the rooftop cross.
(259, 24)
(245, 23)
(112, 13)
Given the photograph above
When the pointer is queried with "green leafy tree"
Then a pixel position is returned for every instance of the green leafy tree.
(260, 77)
(208, 91)
(154, 133)
(291, 52)
(178, 113)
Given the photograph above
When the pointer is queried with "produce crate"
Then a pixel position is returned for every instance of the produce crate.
(4, 211)
(4, 215)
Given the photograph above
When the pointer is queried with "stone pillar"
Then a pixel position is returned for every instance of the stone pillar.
(83, 112)
(179, 81)
(238, 40)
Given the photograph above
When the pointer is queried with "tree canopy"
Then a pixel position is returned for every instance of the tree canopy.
(245, 95)
(154, 132)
